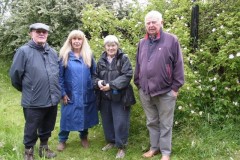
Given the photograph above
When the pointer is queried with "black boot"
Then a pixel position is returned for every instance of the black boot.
(44, 151)
(28, 154)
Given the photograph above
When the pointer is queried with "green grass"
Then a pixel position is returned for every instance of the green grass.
(192, 141)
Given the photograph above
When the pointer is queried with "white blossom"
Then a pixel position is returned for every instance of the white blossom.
(201, 50)
(193, 143)
(214, 29)
(226, 88)
(238, 54)
(176, 122)
(221, 26)
(200, 113)
(235, 103)
(180, 107)
(188, 88)
(229, 32)
(231, 56)
(213, 88)
(192, 111)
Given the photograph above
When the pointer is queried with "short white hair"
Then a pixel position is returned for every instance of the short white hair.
(154, 14)
(111, 39)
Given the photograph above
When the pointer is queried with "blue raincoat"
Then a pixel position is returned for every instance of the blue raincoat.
(76, 81)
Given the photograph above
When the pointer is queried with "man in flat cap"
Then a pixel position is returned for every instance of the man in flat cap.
(35, 73)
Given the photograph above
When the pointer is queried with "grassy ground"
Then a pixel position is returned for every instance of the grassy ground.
(192, 141)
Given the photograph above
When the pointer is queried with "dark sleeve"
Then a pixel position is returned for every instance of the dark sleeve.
(17, 69)
(178, 67)
(61, 78)
(125, 77)
(136, 73)
(95, 73)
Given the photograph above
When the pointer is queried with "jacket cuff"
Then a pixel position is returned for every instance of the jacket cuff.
(174, 88)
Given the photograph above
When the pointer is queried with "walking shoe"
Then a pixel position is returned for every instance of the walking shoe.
(120, 154)
(44, 151)
(28, 154)
(108, 146)
(61, 146)
(85, 142)
(150, 153)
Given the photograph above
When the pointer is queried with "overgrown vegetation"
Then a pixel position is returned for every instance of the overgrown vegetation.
(207, 111)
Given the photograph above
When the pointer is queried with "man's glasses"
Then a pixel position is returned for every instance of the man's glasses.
(41, 31)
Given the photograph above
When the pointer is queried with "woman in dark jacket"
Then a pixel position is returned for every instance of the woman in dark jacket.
(78, 110)
(114, 73)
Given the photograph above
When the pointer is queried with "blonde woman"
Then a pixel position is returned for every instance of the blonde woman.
(78, 109)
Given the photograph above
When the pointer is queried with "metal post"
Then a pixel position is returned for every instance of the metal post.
(194, 26)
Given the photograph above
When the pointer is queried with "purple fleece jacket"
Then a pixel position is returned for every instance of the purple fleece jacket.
(159, 65)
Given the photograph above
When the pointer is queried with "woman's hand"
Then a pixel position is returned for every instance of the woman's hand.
(65, 100)
(105, 88)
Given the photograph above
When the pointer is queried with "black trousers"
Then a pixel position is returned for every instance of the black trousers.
(39, 123)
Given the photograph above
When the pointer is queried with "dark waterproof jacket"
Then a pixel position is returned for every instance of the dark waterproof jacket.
(76, 82)
(159, 65)
(118, 73)
(35, 72)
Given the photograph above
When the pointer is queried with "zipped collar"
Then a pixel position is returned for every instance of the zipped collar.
(32, 44)
(157, 37)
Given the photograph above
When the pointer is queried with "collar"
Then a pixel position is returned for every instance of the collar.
(71, 56)
(38, 47)
(147, 36)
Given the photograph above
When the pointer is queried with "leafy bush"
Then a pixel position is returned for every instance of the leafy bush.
(211, 91)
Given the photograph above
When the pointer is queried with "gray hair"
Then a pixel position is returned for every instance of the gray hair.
(154, 14)
(111, 39)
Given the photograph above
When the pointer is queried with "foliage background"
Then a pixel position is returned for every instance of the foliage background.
(210, 96)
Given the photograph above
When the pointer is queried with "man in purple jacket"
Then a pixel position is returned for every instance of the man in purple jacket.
(158, 75)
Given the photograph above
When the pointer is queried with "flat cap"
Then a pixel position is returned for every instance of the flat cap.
(39, 26)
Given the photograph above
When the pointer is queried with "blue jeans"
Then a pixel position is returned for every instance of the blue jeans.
(115, 120)
(63, 135)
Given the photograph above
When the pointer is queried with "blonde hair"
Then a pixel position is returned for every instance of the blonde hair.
(85, 49)
(111, 39)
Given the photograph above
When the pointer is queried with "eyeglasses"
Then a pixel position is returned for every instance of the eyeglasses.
(41, 31)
